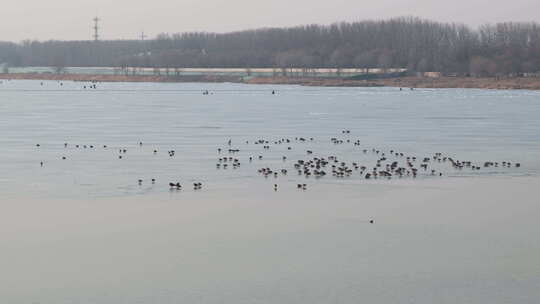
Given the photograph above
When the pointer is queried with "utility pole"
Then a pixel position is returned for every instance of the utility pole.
(96, 28)
(143, 36)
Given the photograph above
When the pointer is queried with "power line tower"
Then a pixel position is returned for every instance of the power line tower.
(143, 36)
(96, 28)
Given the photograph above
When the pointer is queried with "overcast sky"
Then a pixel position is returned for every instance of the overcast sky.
(125, 19)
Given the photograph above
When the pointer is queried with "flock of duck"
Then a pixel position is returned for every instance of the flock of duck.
(387, 165)
(384, 164)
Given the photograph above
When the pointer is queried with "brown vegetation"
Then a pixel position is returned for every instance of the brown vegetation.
(414, 82)
(122, 78)
(509, 83)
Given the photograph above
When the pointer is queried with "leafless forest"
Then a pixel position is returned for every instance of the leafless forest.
(413, 43)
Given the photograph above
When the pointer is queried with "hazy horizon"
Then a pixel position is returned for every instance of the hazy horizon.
(123, 19)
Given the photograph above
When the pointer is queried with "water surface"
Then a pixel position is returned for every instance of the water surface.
(474, 125)
(81, 230)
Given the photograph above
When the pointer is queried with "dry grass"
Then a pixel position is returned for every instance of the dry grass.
(413, 82)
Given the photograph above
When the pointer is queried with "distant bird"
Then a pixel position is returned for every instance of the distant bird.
(175, 185)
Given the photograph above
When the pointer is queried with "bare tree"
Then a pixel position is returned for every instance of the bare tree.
(413, 43)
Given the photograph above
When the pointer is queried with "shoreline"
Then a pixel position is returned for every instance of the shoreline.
(412, 82)
(402, 82)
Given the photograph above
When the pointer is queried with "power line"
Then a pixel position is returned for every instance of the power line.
(96, 28)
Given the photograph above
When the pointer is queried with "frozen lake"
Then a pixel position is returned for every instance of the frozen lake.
(83, 230)
(467, 125)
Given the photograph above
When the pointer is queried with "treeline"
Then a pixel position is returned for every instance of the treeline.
(415, 44)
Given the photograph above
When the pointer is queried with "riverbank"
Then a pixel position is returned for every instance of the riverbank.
(121, 78)
(412, 82)
(404, 82)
